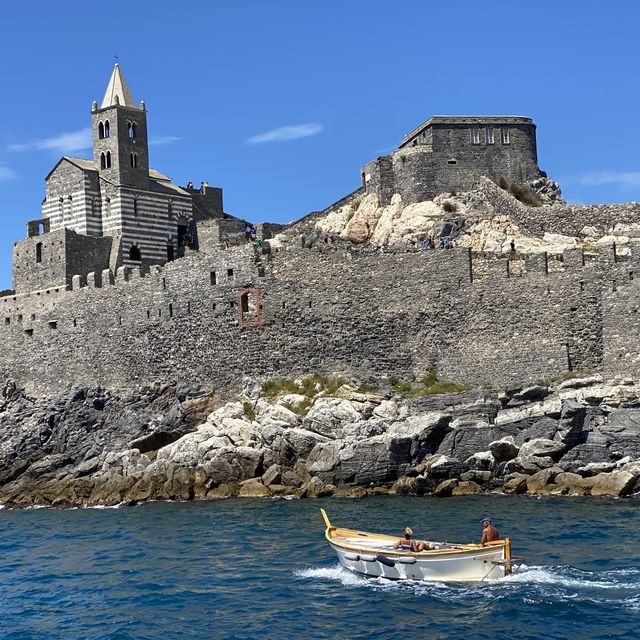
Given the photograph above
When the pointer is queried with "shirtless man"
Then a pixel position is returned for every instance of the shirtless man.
(489, 532)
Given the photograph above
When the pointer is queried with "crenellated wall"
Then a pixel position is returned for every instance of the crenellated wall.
(357, 310)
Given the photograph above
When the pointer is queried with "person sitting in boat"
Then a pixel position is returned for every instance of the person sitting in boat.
(407, 544)
(489, 532)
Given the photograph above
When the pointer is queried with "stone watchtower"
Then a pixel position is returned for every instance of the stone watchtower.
(120, 143)
(448, 153)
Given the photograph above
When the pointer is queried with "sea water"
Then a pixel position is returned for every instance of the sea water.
(243, 568)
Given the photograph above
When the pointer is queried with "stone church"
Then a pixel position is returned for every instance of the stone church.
(111, 210)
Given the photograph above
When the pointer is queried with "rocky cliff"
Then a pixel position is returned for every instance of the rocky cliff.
(320, 437)
(485, 219)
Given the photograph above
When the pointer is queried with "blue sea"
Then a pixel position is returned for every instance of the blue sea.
(243, 568)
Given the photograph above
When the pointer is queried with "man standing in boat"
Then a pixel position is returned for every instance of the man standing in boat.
(489, 532)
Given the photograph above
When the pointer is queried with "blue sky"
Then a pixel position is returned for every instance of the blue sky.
(281, 101)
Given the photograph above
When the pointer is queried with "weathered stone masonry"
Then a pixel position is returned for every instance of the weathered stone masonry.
(352, 310)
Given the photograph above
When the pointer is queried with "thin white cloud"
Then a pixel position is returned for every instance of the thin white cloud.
(63, 143)
(6, 173)
(163, 140)
(624, 179)
(286, 133)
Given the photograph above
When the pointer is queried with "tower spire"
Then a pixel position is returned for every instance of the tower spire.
(117, 91)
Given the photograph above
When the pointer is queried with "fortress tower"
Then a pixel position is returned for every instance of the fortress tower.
(447, 153)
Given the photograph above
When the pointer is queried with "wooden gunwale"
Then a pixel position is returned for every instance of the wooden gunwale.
(459, 549)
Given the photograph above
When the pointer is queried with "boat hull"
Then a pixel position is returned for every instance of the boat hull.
(474, 566)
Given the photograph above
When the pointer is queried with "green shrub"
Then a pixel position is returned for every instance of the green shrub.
(249, 411)
(568, 375)
(521, 192)
(426, 385)
(276, 386)
(368, 389)
(299, 409)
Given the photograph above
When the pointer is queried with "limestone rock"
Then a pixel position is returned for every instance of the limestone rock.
(616, 483)
(465, 489)
(541, 479)
(403, 486)
(273, 475)
(504, 449)
(542, 447)
(253, 488)
(517, 483)
(445, 489)
(481, 461)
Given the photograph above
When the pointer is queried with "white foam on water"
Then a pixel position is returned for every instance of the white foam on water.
(336, 572)
(557, 576)
(103, 506)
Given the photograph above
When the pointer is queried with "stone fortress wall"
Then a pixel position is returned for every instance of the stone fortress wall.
(224, 312)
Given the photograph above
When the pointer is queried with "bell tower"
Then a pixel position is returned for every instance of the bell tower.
(120, 144)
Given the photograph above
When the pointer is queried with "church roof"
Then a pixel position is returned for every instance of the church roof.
(117, 87)
(82, 163)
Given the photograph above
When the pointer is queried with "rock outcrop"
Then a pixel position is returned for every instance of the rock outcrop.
(579, 437)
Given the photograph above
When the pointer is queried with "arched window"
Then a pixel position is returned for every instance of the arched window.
(101, 130)
(103, 161)
(106, 129)
(39, 252)
(131, 129)
(133, 158)
(134, 128)
(135, 206)
(134, 254)
(108, 159)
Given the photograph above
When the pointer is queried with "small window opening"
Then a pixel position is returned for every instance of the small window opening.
(170, 310)
(284, 305)
(75, 322)
(135, 206)
(101, 130)
(53, 325)
(134, 254)
(505, 136)
(39, 252)
(29, 332)
(231, 304)
(108, 159)
(103, 161)
(490, 136)
(107, 130)
(452, 161)
(7, 320)
(230, 273)
(148, 314)
(164, 283)
(170, 253)
(214, 278)
(261, 272)
(475, 136)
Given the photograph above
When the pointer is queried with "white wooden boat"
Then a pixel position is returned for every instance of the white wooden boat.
(373, 554)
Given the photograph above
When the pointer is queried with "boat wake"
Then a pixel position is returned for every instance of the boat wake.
(531, 583)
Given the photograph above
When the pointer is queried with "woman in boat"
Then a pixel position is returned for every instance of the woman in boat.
(407, 544)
